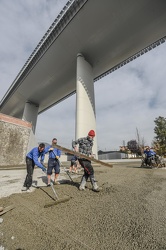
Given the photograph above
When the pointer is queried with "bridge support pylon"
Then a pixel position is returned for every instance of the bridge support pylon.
(85, 100)
(30, 114)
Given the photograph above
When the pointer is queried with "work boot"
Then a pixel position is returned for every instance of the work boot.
(95, 187)
(81, 188)
(83, 183)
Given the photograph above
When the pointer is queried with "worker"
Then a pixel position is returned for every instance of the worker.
(53, 162)
(73, 164)
(149, 156)
(84, 146)
(31, 161)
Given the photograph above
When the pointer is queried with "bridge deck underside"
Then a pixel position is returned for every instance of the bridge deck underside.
(106, 32)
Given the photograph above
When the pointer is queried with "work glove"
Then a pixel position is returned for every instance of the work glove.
(57, 157)
(51, 149)
(44, 169)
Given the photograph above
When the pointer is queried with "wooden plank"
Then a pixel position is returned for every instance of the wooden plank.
(6, 209)
(66, 150)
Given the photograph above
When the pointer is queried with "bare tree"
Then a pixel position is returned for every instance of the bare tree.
(141, 143)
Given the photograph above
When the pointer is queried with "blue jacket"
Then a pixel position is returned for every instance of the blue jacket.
(54, 153)
(149, 153)
(34, 154)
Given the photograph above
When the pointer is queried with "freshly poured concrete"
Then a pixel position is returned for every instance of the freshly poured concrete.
(128, 214)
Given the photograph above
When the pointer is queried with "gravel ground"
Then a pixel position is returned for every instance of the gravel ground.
(129, 213)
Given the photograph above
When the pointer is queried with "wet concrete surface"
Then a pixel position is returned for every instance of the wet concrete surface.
(129, 213)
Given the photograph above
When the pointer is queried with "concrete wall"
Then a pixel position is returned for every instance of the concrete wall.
(16, 138)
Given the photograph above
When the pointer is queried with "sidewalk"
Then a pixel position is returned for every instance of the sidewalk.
(12, 180)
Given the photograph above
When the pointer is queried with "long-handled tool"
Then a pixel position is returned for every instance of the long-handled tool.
(66, 150)
(56, 200)
(67, 172)
(6, 209)
(76, 184)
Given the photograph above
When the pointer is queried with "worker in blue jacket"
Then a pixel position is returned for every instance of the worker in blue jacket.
(53, 162)
(148, 154)
(32, 160)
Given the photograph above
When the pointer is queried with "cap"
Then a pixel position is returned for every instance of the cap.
(91, 133)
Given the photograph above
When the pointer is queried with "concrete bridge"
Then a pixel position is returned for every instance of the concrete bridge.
(88, 40)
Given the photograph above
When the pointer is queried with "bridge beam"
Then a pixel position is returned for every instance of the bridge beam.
(85, 100)
(30, 114)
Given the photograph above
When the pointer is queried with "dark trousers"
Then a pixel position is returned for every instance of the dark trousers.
(53, 164)
(88, 172)
(149, 160)
(88, 169)
(30, 168)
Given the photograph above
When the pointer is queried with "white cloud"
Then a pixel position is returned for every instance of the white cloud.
(22, 25)
(131, 97)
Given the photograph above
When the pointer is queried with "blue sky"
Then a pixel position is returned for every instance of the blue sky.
(129, 98)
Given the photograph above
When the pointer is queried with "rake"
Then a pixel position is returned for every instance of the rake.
(57, 200)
